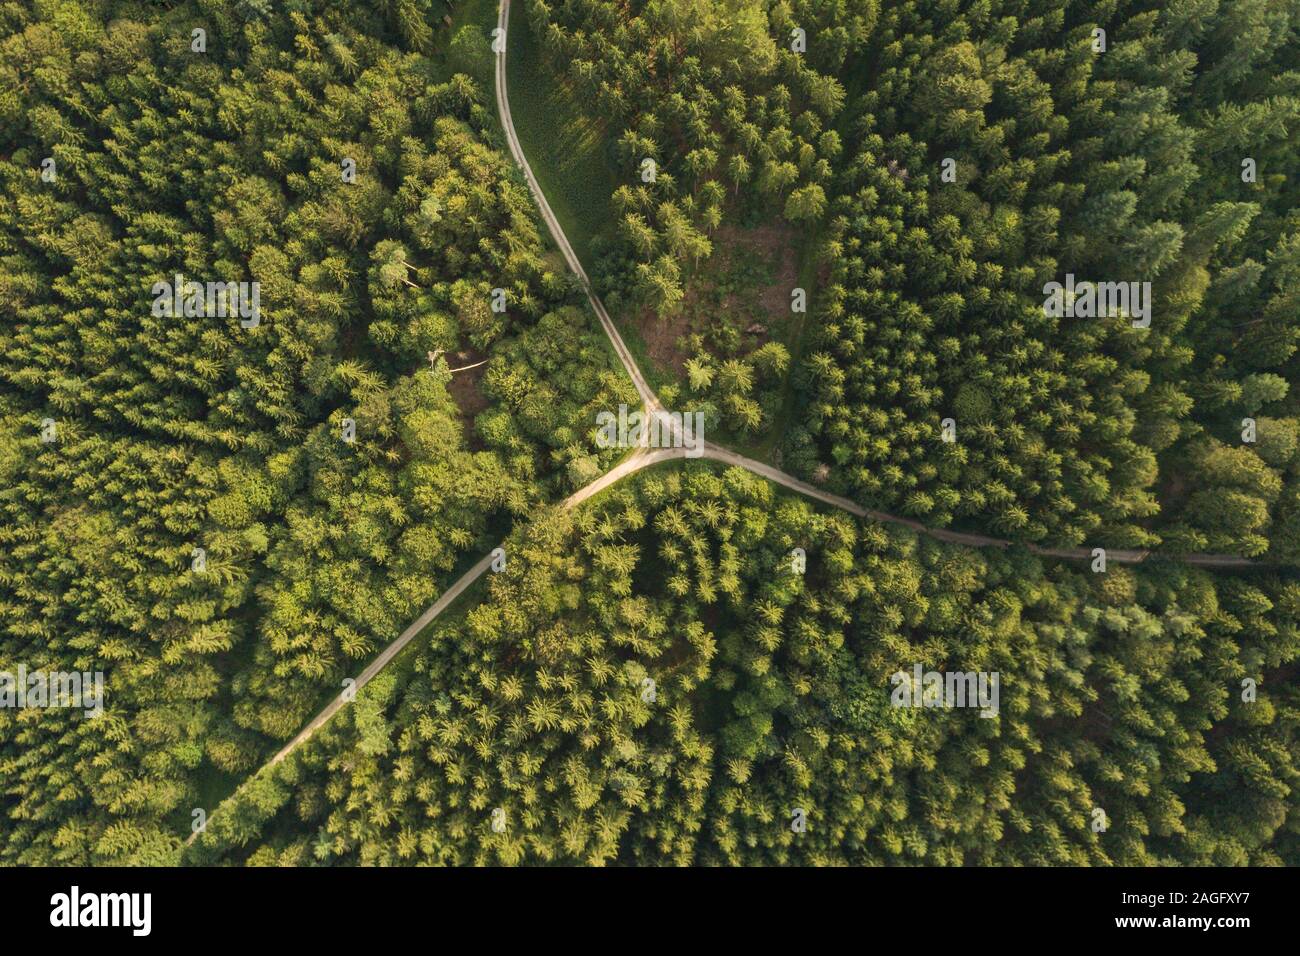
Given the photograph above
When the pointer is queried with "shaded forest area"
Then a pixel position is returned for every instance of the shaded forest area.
(998, 146)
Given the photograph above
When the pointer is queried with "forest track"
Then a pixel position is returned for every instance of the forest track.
(964, 538)
(648, 397)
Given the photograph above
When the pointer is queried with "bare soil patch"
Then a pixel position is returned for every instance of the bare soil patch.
(737, 300)
(466, 392)
(744, 290)
(663, 337)
(773, 245)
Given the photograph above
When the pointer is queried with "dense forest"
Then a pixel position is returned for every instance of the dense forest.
(1168, 158)
(832, 227)
(657, 681)
(178, 433)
